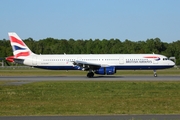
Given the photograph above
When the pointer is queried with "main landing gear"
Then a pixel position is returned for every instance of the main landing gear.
(155, 74)
(90, 74)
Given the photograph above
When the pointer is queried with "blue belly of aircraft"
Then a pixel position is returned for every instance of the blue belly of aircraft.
(116, 67)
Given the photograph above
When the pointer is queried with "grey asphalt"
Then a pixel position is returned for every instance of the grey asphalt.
(83, 78)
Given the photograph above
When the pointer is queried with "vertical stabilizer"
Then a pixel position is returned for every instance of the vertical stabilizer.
(18, 46)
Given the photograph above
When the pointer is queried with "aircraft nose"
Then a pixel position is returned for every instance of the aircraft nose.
(171, 63)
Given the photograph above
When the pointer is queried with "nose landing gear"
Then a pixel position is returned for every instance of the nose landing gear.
(155, 74)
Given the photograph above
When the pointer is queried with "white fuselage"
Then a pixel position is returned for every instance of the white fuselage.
(103, 64)
(119, 61)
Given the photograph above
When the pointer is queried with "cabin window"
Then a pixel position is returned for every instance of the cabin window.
(165, 58)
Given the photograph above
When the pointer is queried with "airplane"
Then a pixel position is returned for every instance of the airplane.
(102, 64)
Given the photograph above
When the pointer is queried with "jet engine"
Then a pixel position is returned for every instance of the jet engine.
(105, 70)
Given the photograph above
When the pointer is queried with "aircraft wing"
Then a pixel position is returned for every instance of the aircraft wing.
(87, 65)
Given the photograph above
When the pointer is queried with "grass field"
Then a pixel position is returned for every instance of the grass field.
(90, 98)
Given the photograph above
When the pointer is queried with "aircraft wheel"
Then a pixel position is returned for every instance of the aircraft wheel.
(155, 75)
(90, 74)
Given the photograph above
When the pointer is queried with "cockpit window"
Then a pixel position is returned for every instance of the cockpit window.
(165, 58)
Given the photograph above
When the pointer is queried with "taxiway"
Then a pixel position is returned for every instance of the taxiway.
(96, 78)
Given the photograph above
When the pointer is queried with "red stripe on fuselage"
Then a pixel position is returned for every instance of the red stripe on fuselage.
(13, 39)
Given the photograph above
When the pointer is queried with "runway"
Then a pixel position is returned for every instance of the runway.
(20, 80)
(84, 78)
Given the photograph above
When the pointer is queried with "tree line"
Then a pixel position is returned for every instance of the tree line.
(97, 46)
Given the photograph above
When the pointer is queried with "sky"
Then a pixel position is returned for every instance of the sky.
(135, 20)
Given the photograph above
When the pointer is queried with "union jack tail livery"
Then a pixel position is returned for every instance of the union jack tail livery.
(19, 47)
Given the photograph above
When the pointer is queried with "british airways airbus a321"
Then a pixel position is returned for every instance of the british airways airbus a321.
(102, 64)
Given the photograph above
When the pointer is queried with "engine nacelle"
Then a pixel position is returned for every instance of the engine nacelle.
(105, 70)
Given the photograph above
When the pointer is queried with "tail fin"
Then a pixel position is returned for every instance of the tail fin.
(18, 46)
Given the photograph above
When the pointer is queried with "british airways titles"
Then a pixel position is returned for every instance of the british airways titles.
(138, 61)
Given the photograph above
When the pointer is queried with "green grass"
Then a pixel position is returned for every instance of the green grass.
(90, 98)
(25, 71)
